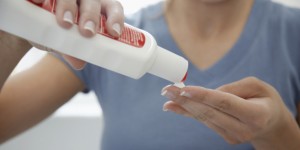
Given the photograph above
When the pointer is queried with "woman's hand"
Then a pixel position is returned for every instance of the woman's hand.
(90, 13)
(248, 110)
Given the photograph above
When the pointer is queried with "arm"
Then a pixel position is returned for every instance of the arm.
(30, 96)
(12, 49)
(298, 114)
(248, 110)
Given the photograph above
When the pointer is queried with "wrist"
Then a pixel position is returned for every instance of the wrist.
(286, 136)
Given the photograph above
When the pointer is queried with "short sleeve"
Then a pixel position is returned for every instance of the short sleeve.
(83, 74)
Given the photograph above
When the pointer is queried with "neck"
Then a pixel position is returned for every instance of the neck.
(208, 18)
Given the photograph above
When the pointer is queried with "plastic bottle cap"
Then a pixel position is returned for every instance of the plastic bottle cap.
(169, 66)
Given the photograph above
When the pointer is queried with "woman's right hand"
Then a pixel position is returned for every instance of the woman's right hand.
(90, 13)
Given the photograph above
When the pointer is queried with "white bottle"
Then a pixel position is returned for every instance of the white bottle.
(133, 54)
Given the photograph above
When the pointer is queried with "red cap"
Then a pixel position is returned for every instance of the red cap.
(184, 78)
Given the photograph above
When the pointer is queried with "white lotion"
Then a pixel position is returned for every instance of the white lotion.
(133, 54)
(179, 85)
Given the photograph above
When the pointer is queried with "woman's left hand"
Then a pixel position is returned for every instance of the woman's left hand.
(248, 110)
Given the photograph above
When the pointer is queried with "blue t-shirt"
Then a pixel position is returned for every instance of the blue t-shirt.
(268, 48)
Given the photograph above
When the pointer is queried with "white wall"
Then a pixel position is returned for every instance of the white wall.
(76, 125)
(293, 3)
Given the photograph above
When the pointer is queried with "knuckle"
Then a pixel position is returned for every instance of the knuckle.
(200, 117)
(118, 5)
(252, 79)
(181, 101)
(38, 1)
(116, 10)
(256, 82)
(90, 14)
(67, 4)
(203, 96)
(232, 141)
(225, 88)
(91, 7)
(245, 137)
(261, 119)
(224, 105)
(260, 124)
(210, 113)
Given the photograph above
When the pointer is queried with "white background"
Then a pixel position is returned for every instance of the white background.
(76, 125)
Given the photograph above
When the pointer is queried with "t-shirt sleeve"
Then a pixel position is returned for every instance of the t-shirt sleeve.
(83, 74)
(293, 38)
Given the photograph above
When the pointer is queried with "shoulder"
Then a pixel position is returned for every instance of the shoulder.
(285, 22)
(283, 25)
(287, 12)
(284, 17)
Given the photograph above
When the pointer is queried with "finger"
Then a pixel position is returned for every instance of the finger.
(225, 102)
(65, 12)
(204, 112)
(200, 111)
(246, 88)
(222, 101)
(89, 17)
(223, 133)
(178, 109)
(74, 62)
(38, 1)
(234, 129)
(115, 17)
(174, 107)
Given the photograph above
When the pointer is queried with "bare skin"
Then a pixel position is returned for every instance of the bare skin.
(31, 96)
(20, 110)
(248, 110)
(213, 27)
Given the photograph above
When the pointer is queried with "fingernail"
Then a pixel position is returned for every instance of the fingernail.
(117, 28)
(163, 93)
(168, 94)
(185, 94)
(90, 26)
(179, 85)
(68, 17)
(165, 109)
(163, 89)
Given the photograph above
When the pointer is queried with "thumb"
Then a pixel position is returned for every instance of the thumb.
(247, 88)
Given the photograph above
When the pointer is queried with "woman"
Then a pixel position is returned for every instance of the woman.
(225, 41)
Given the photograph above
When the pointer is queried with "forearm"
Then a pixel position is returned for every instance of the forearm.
(12, 49)
(32, 95)
(287, 137)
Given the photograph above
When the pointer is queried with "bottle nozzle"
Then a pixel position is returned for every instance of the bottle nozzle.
(169, 66)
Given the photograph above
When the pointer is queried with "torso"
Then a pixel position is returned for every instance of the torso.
(204, 50)
(132, 109)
